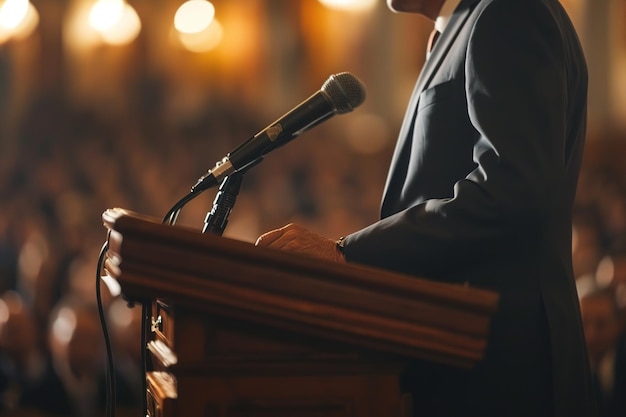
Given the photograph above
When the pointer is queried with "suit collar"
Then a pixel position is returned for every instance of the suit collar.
(447, 10)
(443, 44)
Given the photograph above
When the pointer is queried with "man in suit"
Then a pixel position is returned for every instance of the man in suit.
(480, 192)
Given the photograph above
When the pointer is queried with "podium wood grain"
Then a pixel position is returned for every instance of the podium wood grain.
(246, 331)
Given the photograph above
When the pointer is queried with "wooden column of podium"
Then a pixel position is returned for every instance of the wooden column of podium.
(241, 331)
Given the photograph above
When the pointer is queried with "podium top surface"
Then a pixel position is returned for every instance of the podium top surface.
(377, 309)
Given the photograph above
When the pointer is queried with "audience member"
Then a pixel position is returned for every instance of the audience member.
(28, 383)
(77, 348)
(606, 347)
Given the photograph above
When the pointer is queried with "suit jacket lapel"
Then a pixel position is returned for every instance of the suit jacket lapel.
(399, 161)
(444, 43)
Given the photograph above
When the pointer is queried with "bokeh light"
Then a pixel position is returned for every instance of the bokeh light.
(4, 312)
(18, 20)
(28, 24)
(114, 22)
(349, 5)
(125, 30)
(65, 324)
(194, 16)
(203, 41)
(105, 14)
(13, 12)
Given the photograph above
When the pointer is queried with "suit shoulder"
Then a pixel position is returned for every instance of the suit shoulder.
(513, 20)
(514, 9)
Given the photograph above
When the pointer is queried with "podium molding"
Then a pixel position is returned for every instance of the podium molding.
(239, 330)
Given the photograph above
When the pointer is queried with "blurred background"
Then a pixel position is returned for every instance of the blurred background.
(112, 103)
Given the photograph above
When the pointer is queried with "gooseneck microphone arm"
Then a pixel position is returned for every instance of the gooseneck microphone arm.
(341, 93)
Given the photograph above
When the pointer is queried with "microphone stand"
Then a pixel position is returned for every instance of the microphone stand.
(216, 220)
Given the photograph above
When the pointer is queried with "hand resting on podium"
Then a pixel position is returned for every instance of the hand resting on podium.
(295, 238)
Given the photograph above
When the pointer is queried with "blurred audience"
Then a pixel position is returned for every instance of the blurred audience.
(606, 347)
(77, 347)
(28, 383)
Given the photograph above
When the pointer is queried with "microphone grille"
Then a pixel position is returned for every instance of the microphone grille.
(345, 91)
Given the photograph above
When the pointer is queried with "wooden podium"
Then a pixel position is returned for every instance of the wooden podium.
(244, 331)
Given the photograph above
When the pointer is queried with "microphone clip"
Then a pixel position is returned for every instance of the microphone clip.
(222, 169)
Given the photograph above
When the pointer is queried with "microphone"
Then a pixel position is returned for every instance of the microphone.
(341, 93)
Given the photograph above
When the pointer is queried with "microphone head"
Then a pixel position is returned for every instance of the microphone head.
(344, 91)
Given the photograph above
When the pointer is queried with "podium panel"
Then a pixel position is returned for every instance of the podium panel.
(229, 368)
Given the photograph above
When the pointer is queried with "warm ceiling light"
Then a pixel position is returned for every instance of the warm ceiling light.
(194, 16)
(17, 22)
(13, 12)
(349, 5)
(28, 24)
(105, 14)
(125, 29)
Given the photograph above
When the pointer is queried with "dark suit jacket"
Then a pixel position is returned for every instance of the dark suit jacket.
(480, 191)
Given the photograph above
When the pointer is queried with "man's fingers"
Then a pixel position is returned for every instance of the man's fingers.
(295, 238)
(268, 238)
(272, 236)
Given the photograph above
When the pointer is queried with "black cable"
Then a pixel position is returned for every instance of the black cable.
(110, 370)
(145, 317)
(172, 214)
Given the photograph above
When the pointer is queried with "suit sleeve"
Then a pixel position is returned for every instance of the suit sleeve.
(515, 87)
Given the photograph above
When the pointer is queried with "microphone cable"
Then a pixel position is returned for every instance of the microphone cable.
(172, 215)
(145, 318)
(110, 369)
(111, 385)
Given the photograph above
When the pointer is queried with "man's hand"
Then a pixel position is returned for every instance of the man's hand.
(295, 238)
